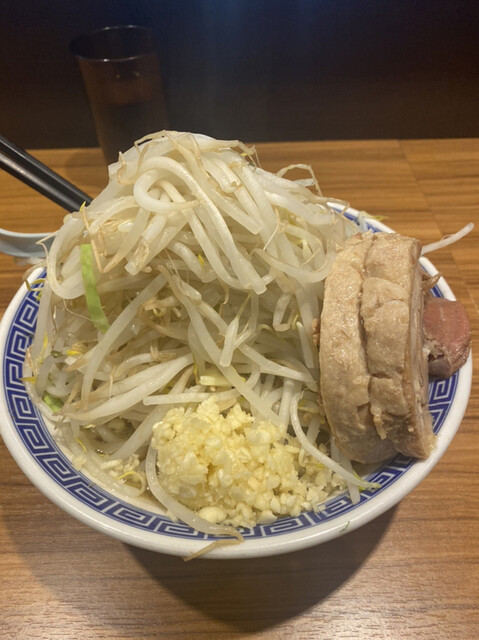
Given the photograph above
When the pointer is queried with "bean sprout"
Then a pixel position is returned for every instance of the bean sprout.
(207, 273)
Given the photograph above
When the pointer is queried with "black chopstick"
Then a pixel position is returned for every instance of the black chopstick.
(35, 174)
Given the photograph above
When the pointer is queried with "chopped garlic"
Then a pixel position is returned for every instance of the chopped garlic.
(231, 469)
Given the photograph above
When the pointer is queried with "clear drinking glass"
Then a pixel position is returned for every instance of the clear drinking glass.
(121, 73)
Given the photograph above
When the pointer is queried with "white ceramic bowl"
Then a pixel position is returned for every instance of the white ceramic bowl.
(29, 438)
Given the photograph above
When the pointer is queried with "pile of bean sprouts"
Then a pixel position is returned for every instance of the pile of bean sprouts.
(206, 276)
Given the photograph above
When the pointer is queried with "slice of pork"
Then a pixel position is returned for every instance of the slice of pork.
(447, 331)
(345, 377)
(392, 314)
(373, 363)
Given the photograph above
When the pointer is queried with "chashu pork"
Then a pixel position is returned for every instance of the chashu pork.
(345, 377)
(447, 331)
(373, 361)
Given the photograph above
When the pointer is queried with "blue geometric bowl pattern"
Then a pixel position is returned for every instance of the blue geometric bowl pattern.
(45, 453)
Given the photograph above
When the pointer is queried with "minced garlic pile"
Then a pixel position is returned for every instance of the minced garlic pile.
(231, 472)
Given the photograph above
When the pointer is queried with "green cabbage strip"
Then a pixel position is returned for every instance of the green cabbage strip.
(93, 303)
(54, 403)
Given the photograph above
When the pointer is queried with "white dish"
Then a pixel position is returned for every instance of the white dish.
(29, 438)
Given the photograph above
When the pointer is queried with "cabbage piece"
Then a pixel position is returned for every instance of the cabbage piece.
(93, 302)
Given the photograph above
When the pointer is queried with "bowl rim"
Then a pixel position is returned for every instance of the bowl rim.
(267, 545)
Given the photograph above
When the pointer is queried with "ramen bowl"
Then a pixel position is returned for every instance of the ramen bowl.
(31, 440)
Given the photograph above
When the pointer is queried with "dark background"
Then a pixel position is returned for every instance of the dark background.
(256, 69)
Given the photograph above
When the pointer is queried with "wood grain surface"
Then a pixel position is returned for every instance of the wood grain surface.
(412, 574)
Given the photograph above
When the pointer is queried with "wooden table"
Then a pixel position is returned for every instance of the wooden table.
(411, 574)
